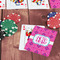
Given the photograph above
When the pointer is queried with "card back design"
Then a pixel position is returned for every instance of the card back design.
(41, 41)
(55, 3)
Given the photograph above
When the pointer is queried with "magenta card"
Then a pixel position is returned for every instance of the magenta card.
(41, 41)
(55, 3)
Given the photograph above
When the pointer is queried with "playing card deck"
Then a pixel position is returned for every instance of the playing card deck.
(37, 39)
(2, 4)
(26, 31)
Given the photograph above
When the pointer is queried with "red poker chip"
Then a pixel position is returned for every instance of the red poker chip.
(15, 17)
(54, 22)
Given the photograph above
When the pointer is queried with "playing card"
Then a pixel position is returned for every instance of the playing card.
(55, 3)
(41, 41)
(26, 31)
(16, 4)
(38, 4)
(2, 4)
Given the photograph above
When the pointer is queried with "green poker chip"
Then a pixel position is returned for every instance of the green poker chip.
(9, 27)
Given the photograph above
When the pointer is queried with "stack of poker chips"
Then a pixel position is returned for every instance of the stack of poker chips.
(53, 20)
(8, 26)
(17, 2)
(37, 1)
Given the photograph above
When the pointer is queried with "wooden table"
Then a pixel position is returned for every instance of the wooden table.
(10, 45)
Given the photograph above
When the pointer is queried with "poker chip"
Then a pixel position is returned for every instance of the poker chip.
(9, 27)
(13, 16)
(54, 22)
(2, 34)
(51, 14)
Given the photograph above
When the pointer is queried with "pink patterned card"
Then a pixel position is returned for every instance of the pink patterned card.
(55, 3)
(41, 41)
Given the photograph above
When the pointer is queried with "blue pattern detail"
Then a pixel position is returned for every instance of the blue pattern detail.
(51, 14)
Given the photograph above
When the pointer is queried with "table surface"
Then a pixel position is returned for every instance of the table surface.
(10, 45)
